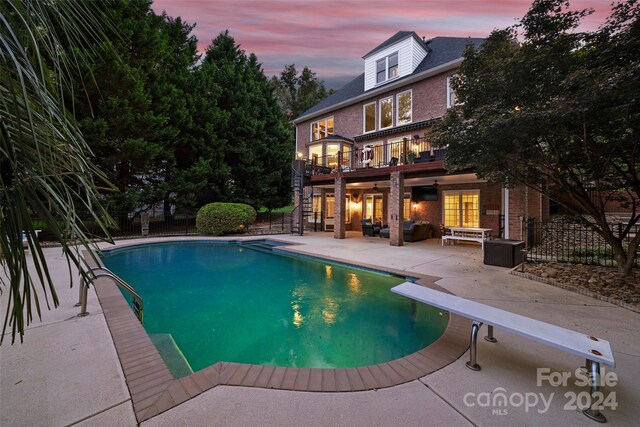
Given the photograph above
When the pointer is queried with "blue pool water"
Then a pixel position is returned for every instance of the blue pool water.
(234, 303)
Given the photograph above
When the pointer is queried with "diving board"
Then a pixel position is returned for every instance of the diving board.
(594, 350)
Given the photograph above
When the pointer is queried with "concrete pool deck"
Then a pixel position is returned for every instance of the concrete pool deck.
(67, 372)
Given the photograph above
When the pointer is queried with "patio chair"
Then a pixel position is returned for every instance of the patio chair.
(369, 228)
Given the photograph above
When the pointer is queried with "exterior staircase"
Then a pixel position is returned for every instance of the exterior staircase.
(303, 203)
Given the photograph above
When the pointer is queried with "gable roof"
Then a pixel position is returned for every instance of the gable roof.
(443, 50)
(400, 35)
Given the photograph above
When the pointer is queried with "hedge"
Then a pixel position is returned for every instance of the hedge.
(224, 218)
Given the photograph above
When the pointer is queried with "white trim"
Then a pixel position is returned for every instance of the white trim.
(380, 112)
(364, 117)
(398, 107)
(378, 90)
(449, 93)
(505, 203)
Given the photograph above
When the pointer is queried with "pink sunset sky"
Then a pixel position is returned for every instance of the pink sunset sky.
(332, 36)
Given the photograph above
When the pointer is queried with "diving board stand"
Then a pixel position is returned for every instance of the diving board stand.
(594, 350)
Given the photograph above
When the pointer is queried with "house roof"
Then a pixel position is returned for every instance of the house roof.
(400, 35)
(443, 50)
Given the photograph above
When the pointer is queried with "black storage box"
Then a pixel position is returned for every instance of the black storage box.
(503, 252)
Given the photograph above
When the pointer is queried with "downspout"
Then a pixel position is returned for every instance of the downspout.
(505, 205)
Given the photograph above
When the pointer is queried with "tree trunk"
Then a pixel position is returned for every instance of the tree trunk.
(626, 270)
(624, 260)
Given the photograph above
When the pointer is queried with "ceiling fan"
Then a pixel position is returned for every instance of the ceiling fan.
(375, 187)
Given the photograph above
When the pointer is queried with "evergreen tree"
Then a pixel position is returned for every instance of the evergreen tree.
(135, 117)
(249, 126)
(297, 93)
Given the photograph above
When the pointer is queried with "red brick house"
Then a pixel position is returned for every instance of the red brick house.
(364, 152)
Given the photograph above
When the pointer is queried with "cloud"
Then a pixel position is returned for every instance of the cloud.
(331, 36)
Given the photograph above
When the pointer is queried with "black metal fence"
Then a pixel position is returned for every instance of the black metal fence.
(565, 240)
(271, 222)
(180, 223)
(129, 224)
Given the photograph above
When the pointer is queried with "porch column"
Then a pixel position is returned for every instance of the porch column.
(396, 208)
(340, 206)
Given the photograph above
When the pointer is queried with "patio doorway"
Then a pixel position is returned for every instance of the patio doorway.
(373, 207)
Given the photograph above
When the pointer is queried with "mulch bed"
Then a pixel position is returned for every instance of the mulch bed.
(601, 281)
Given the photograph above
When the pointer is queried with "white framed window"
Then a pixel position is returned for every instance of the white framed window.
(403, 107)
(406, 207)
(321, 129)
(451, 95)
(332, 155)
(387, 68)
(385, 119)
(369, 117)
(315, 154)
(330, 207)
(461, 208)
(316, 203)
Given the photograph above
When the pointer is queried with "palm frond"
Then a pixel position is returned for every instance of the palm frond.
(45, 166)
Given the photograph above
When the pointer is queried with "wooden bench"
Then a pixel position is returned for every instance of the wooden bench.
(594, 350)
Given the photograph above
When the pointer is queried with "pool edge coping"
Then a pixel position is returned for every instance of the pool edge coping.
(154, 389)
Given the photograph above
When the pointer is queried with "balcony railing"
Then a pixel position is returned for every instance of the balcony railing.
(407, 151)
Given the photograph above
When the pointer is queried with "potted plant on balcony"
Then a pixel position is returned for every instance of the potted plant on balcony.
(411, 157)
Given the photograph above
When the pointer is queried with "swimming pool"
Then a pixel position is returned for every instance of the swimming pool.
(232, 302)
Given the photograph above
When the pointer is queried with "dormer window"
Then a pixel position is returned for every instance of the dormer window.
(387, 68)
(397, 57)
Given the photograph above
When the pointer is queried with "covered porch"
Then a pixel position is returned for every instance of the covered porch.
(387, 197)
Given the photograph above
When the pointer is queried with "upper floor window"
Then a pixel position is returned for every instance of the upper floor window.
(387, 68)
(403, 108)
(369, 119)
(321, 128)
(386, 112)
(451, 95)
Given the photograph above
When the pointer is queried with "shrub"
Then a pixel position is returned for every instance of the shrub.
(222, 218)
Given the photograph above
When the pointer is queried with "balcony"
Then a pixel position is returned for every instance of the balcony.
(375, 156)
